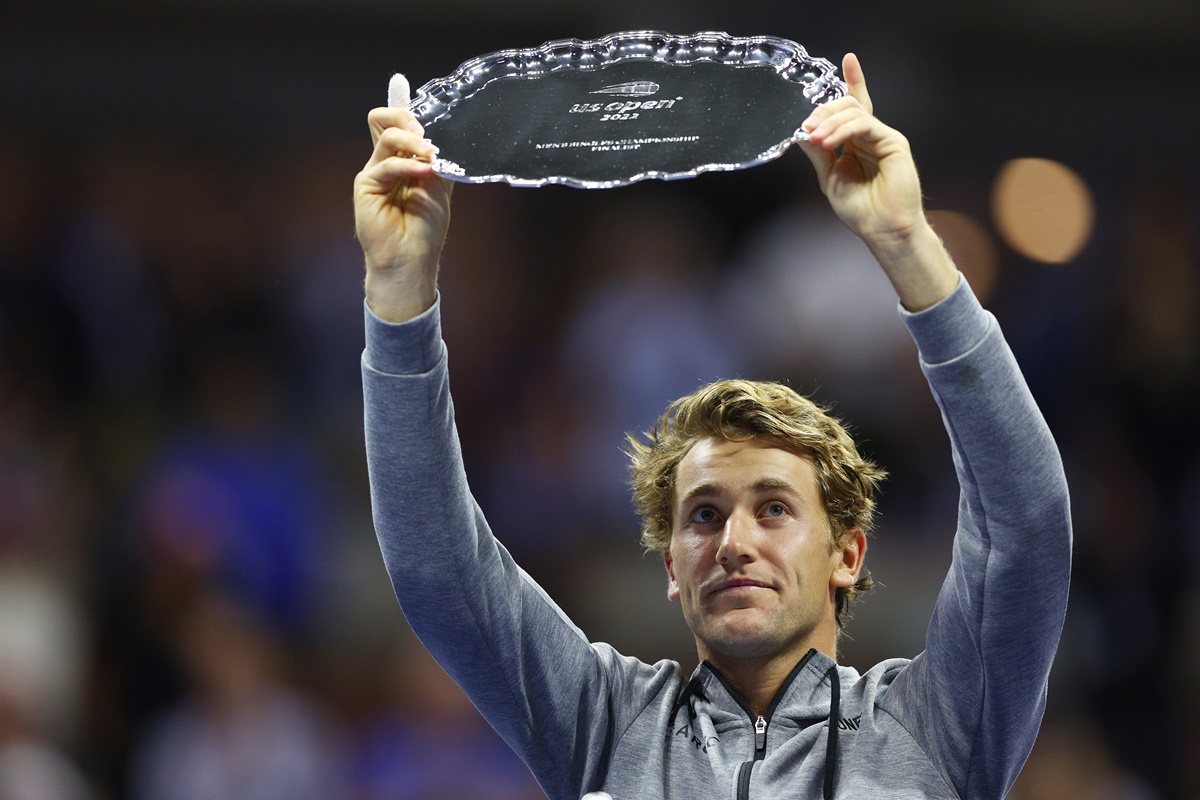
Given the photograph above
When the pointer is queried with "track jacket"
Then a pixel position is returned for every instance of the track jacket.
(957, 721)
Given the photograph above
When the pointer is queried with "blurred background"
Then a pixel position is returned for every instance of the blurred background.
(191, 600)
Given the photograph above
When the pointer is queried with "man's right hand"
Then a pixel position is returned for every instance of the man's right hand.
(401, 213)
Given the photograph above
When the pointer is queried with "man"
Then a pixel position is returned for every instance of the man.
(761, 546)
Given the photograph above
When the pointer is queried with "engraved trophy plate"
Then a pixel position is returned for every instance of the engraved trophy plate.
(623, 108)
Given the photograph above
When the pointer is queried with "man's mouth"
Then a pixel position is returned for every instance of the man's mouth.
(737, 584)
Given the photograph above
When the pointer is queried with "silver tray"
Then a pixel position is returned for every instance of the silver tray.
(623, 108)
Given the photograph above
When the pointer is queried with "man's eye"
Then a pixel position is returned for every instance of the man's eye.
(775, 509)
(704, 515)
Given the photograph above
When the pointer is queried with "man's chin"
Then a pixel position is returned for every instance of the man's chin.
(743, 641)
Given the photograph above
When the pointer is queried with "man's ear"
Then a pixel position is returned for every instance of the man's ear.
(672, 585)
(848, 555)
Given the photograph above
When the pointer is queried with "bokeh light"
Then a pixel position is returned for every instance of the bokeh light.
(1042, 209)
(971, 246)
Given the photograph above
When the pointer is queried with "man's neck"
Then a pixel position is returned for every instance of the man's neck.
(758, 679)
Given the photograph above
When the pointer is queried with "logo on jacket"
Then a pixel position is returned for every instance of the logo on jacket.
(695, 741)
(849, 723)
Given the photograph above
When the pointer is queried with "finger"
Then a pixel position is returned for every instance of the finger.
(380, 178)
(826, 110)
(380, 119)
(834, 123)
(866, 131)
(404, 143)
(822, 160)
(856, 80)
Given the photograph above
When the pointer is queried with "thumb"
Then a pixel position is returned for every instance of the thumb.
(856, 81)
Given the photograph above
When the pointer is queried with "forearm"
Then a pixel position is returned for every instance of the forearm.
(529, 670)
(918, 266)
(977, 692)
(1008, 464)
(443, 560)
(1013, 548)
(1009, 469)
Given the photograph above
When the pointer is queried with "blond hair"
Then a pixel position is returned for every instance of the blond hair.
(739, 410)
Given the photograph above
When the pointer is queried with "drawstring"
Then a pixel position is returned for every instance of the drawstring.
(687, 698)
(835, 714)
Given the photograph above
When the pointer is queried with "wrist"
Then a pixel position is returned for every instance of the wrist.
(398, 295)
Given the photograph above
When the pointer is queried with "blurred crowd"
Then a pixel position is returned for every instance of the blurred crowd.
(191, 603)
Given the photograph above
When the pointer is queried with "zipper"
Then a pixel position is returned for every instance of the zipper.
(760, 723)
(747, 767)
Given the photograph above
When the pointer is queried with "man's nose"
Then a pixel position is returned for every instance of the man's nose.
(737, 540)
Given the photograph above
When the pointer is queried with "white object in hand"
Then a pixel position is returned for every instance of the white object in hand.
(398, 91)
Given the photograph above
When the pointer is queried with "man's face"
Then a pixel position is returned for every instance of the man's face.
(750, 557)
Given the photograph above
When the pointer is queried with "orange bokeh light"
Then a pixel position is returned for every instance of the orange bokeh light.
(1042, 209)
(972, 248)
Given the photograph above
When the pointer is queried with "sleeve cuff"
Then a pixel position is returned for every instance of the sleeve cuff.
(405, 348)
(950, 328)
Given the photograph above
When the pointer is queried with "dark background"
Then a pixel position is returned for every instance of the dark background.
(191, 603)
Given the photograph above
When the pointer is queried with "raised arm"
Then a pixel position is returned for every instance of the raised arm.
(975, 697)
(531, 672)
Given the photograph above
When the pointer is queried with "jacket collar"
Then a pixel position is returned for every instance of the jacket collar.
(806, 692)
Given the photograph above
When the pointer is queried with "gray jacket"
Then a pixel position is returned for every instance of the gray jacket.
(957, 721)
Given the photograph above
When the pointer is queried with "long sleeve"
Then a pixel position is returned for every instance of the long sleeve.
(976, 696)
(558, 700)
